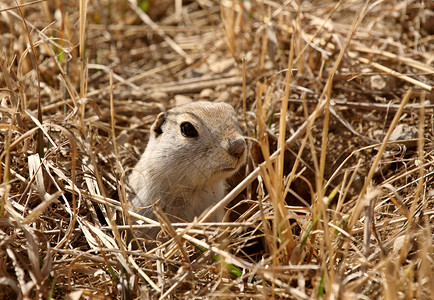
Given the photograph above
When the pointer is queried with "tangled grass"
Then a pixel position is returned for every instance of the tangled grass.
(337, 197)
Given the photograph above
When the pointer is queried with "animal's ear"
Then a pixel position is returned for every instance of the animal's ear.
(156, 128)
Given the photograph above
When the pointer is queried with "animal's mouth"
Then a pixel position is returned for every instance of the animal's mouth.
(228, 170)
(233, 169)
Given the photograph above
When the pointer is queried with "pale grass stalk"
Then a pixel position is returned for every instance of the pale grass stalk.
(320, 29)
(143, 274)
(51, 42)
(298, 47)
(120, 171)
(33, 59)
(164, 220)
(118, 85)
(264, 44)
(392, 72)
(6, 152)
(342, 196)
(335, 260)
(228, 21)
(407, 60)
(229, 258)
(368, 178)
(37, 211)
(267, 172)
(147, 20)
(427, 247)
(278, 179)
(82, 44)
(319, 208)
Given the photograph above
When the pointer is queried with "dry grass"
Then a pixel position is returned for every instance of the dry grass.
(331, 204)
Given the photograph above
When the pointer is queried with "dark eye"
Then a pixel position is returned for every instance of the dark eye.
(188, 130)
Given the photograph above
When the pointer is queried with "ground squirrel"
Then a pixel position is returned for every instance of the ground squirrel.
(192, 149)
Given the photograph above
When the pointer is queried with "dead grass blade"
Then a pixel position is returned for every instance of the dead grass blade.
(322, 210)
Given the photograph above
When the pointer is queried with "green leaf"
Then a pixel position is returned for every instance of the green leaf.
(321, 286)
(144, 5)
(233, 270)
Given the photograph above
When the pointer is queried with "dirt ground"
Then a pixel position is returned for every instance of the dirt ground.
(336, 200)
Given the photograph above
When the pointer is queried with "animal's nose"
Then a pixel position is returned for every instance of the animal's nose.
(237, 147)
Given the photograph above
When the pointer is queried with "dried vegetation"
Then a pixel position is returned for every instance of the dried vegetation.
(339, 206)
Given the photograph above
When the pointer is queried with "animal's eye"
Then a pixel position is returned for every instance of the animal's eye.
(188, 130)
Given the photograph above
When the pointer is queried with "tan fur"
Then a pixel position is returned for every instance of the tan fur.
(187, 174)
